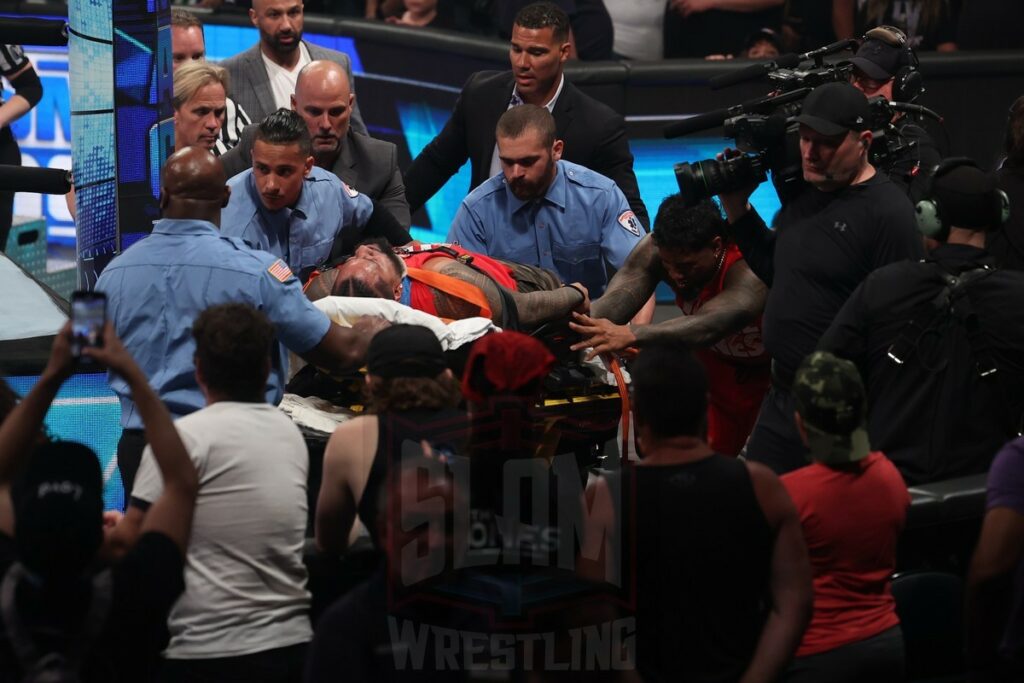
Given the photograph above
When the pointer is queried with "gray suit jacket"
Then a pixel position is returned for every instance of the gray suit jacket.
(250, 83)
(366, 164)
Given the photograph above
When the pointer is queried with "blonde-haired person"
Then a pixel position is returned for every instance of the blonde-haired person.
(200, 94)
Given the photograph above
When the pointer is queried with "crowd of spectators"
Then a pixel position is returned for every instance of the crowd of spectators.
(661, 29)
(860, 340)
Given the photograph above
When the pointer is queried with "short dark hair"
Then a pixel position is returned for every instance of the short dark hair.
(517, 120)
(1015, 133)
(354, 286)
(182, 18)
(678, 226)
(233, 346)
(545, 15)
(397, 394)
(285, 127)
(670, 391)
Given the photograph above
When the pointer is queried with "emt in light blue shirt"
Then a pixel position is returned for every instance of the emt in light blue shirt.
(157, 287)
(542, 211)
(296, 211)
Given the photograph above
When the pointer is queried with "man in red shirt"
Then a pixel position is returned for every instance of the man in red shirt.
(721, 300)
(852, 504)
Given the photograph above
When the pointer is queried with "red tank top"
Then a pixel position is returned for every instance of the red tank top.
(745, 345)
(421, 295)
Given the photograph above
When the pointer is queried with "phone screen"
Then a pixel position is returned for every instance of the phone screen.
(88, 313)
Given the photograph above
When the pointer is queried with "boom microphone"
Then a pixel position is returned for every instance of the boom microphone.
(18, 31)
(37, 180)
(749, 73)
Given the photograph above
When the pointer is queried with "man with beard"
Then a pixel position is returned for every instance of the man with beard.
(721, 300)
(263, 77)
(544, 211)
(323, 98)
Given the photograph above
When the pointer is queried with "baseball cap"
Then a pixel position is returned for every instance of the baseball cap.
(835, 108)
(508, 361)
(831, 399)
(59, 510)
(405, 351)
(968, 197)
(763, 34)
(878, 59)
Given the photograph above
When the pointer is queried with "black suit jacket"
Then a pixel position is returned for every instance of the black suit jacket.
(366, 164)
(594, 136)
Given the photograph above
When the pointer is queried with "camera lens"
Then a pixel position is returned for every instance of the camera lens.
(710, 177)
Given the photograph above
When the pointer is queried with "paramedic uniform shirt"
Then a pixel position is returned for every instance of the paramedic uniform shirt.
(158, 286)
(580, 226)
(302, 235)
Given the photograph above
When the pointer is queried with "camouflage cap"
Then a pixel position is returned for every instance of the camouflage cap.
(830, 398)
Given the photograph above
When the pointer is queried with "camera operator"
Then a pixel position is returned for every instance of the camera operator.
(938, 341)
(847, 221)
(885, 65)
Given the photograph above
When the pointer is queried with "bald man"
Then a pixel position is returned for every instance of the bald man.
(324, 98)
(156, 289)
(263, 77)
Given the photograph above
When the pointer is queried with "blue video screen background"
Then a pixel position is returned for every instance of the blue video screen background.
(87, 411)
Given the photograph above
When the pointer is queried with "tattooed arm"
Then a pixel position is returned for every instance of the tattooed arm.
(534, 308)
(631, 286)
(739, 303)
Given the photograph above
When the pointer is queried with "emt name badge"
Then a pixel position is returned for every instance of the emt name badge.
(629, 221)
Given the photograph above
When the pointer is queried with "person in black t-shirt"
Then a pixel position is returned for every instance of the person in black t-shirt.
(28, 90)
(936, 408)
(698, 28)
(849, 221)
(107, 625)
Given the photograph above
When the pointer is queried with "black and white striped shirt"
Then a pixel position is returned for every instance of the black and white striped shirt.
(12, 59)
(235, 119)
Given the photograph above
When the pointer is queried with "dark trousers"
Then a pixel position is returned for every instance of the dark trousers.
(878, 659)
(775, 441)
(281, 665)
(129, 455)
(9, 154)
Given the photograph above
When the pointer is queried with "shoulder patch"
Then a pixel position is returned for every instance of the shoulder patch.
(279, 270)
(628, 220)
(352, 192)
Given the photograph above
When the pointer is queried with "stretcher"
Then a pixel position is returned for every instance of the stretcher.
(586, 397)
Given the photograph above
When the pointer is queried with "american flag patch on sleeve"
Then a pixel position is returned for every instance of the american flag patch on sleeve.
(280, 270)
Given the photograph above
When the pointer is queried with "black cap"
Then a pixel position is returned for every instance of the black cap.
(59, 510)
(877, 59)
(764, 34)
(967, 197)
(835, 108)
(405, 351)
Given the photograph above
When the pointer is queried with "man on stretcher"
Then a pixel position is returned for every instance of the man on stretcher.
(450, 282)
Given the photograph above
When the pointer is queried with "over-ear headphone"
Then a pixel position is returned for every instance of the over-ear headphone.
(930, 219)
(907, 83)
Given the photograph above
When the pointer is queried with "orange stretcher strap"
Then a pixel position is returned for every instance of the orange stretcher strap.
(457, 288)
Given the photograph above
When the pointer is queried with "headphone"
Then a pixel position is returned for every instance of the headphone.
(907, 83)
(930, 221)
